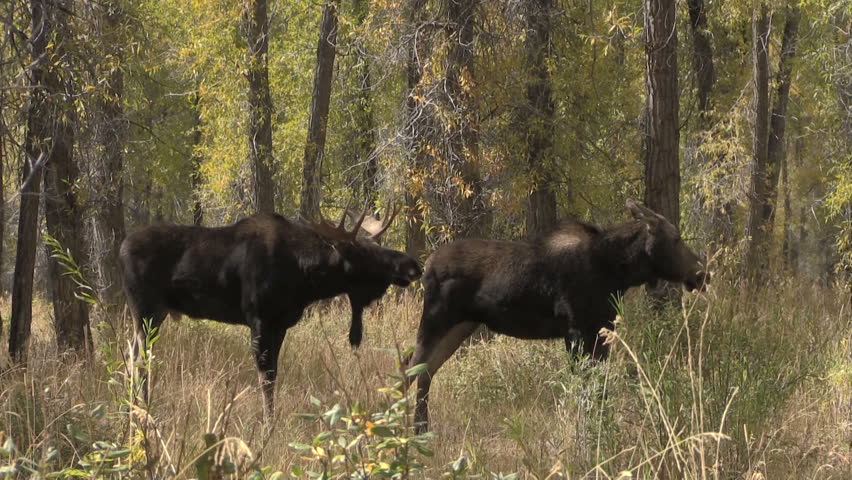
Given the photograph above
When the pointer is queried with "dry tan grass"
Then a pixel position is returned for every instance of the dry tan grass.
(734, 386)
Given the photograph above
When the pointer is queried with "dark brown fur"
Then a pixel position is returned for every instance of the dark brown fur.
(560, 284)
(261, 272)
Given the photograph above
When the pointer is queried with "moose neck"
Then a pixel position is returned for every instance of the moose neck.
(621, 252)
(326, 275)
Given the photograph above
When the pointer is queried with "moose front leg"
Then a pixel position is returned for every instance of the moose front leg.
(266, 345)
(573, 343)
(594, 344)
(563, 315)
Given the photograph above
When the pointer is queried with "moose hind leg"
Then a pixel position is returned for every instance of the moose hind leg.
(434, 351)
(266, 346)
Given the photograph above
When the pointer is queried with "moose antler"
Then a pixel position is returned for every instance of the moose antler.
(328, 229)
(336, 232)
(642, 212)
(374, 227)
(341, 225)
(370, 224)
(358, 224)
(374, 235)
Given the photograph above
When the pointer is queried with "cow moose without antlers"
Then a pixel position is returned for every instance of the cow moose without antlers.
(561, 283)
(261, 272)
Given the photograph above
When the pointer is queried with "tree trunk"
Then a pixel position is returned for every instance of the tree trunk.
(43, 83)
(756, 254)
(802, 242)
(195, 178)
(107, 177)
(702, 60)
(471, 218)
(41, 138)
(366, 142)
(778, 119)
(841, 22)
(62, 211)
(719, 223)
(3, 133)
(416, 119)
(787, 243)
(64, 221)
(662, 162)
(25, 252)
(360, 136)
(3, 161)
(260, 105)
(662, 135)
(315, 146)
(538, 118)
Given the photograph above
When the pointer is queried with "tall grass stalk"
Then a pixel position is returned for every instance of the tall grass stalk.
(733, 383)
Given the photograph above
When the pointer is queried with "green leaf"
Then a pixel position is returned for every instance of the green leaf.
(76, 433)
(459, 465)
(73, 472)
(423, 449)
(416, 370)
(98, 412)
(102, 445)
(7, 448)
(332, 416)
(352, 443)
(119, 453)
(382, 431)
(52, 454)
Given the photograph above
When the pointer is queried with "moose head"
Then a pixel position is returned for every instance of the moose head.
(363, 257)
(670, 258)
(368, 267)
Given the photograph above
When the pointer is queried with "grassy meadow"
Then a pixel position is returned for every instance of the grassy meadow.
(732, 385)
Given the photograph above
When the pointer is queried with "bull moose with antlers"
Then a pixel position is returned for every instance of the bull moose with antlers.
(261, 272)
(561, 283)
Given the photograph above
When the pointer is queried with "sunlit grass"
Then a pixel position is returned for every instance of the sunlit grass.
(735, 384)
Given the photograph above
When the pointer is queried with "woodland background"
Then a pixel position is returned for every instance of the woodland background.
(488, 118)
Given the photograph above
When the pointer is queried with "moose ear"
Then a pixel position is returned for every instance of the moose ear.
(643, 214)
(637, 212)
(650, 234)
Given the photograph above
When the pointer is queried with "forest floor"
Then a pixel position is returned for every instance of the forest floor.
(733, 384)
